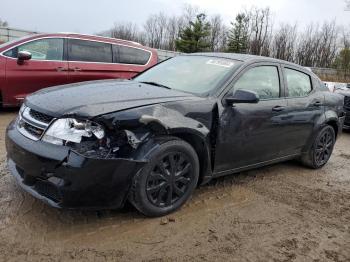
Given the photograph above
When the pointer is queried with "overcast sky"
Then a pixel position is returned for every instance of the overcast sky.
(91, 16)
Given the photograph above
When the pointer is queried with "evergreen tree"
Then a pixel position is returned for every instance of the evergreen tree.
(194, 37)
(238, 35)
(342, 61)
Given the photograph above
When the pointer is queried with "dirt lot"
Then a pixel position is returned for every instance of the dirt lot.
(280, 213)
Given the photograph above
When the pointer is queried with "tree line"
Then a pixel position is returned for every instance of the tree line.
(251, 32)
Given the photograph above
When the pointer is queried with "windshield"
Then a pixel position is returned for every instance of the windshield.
(194, 74)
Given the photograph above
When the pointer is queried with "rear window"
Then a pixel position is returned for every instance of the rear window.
(299, 84)
(130, 55)
(89, 51)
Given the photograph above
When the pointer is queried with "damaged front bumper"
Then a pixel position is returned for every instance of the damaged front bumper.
(346, 125)
(64, 178)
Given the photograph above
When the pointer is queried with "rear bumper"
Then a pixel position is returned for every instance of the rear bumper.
(63, 178)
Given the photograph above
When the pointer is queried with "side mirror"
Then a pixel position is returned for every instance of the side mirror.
(242, 96)
(23, 55)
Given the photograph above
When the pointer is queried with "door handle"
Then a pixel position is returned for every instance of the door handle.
(318, 103)
(61, 69)
(77, 69)
(278, 108)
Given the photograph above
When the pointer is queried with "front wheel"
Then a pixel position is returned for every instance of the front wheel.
(167, 181)
(321, 149)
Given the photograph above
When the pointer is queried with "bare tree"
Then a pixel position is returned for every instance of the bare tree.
(216, 33)
(126, 31)
(318, 46)
(156, 30)
(189, 13)
(283, 44)
(308, 46)
(260, 31)
(3, 23)
(150, 28)
(345, 37)
(328, 44)
(173, 28)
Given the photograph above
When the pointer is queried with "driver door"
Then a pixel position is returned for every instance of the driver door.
(46, 68)
(250, 134)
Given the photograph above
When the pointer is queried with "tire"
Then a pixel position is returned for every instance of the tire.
(321, 149)
(168, 179)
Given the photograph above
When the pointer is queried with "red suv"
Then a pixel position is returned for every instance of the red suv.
(44, 60)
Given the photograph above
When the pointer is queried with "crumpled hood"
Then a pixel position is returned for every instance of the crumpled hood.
(90, 99)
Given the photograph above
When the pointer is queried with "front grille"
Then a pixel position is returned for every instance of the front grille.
(34, 131)
(347, 101)
(347, 120)
(48, 190)
(40, 116)
(32, 124)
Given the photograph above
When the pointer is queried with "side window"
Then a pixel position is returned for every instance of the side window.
(130, 55)
(43, 49)
(299, 84)
(264, 80)
(89, 51)
(11, 53)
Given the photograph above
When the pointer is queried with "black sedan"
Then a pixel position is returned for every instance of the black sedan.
(153, 139)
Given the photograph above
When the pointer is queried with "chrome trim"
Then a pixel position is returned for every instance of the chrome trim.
(32, 121)
(24, 116)
(105, 37)
(76, 38)
(23, 131)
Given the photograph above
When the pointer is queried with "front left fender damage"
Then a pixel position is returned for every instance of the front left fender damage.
(133, 130)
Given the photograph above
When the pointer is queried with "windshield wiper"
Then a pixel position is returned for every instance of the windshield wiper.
(155, 84)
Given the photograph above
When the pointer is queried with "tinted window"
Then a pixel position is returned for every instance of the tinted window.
(43, 49)
(89, 51)
(299, 84)
(129, 55)
(194, 74)
(263, 80)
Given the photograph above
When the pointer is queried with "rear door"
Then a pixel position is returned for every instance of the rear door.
(304, 106)
(46, 68)
(90, 60)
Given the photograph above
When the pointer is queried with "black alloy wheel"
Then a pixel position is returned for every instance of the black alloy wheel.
(169, 179)
(324, 147)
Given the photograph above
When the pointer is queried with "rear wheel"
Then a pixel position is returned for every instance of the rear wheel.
(167, 181)
(321, 149)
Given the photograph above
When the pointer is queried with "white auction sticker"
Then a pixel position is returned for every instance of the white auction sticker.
(220, 62)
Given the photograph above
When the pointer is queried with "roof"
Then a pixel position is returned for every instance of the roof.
(251, 58)
(72, 35)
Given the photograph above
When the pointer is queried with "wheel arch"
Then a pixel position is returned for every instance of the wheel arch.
(328, 118)
(200, 145)
(333, 123)
(332, 119)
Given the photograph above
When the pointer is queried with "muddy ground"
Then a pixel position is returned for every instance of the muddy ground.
(283, 212)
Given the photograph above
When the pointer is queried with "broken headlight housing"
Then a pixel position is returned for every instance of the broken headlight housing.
(72, 130)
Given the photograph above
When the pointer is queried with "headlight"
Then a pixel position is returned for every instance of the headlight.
(72, 130)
